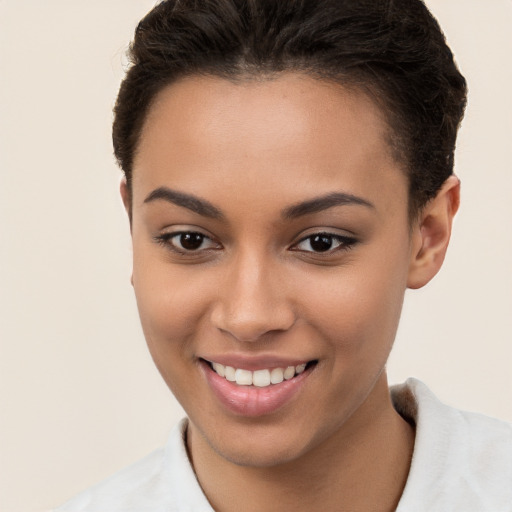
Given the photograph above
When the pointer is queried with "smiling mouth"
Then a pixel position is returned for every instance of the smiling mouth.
(259, 378)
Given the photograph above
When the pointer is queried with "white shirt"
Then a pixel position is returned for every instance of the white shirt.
(462, 462)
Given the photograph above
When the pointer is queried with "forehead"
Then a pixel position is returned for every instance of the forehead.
(288, 132)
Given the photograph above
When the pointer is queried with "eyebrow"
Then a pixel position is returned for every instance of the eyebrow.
(207, 209)
(193, 203)
(321, 203)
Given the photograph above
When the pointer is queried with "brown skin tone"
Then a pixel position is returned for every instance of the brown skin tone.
(257, 285)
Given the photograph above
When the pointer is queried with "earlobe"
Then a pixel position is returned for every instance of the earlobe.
(431, 234)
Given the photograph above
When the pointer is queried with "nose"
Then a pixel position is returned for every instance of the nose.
(252, 301)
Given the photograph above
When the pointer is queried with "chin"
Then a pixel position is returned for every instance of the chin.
(262, 456)
(263, 445)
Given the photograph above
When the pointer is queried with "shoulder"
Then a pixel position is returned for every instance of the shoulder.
(162, 481)
(461, 460)
(118, 492)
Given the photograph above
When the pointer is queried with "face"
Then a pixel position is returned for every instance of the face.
(271, 245)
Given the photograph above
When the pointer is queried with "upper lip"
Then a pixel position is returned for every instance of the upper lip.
(253, 363)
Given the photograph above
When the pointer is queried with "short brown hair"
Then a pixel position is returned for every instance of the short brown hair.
(392, 49)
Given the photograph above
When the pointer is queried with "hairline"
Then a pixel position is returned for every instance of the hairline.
(353, 82)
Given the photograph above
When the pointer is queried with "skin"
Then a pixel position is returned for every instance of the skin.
(253, 150)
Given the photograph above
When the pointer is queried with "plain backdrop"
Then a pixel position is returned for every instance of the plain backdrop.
(79, 396)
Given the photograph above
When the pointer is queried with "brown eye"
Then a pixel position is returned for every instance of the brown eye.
(324, 243)
(187, 242)
(191, 241)
(321, 243)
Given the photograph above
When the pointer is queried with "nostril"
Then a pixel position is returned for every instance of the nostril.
(251, 326)
(250, 309)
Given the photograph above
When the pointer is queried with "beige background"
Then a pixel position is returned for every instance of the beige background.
(79, 397)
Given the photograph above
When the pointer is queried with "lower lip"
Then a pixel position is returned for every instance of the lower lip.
(251, 400)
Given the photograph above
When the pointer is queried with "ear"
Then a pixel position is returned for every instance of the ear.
(126, 197)
(127, 201)
(431, 234)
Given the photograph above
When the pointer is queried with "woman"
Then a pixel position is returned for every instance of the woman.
(288, 175)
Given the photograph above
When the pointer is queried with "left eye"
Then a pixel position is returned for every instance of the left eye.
(324, 242)
(188, 241)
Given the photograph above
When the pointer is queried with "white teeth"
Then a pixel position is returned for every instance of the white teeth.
(229, 373)
(261, 378)
(220, 369)
(299, 369)
(258, 378)
(276, 376)
(243, 377)
(289, 373)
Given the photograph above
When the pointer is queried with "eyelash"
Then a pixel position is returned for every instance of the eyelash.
(343, 242)
(165, 239)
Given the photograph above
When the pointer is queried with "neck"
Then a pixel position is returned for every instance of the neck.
(363, 466)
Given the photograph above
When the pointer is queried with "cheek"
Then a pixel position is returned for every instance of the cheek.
(169, 311)
(357, 310)
(170, 304)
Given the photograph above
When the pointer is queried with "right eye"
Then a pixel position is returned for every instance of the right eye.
(187, 242)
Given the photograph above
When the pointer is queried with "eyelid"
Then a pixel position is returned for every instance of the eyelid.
(346, 242)
(165, 239)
